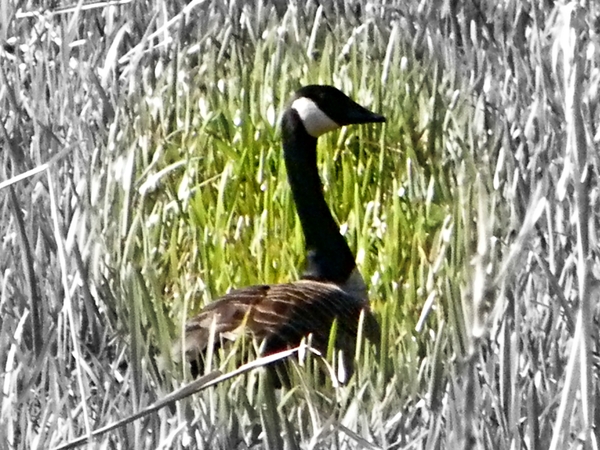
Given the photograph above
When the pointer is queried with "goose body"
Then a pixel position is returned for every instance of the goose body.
(331, 288)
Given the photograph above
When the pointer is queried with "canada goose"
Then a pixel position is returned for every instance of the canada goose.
(331, 288)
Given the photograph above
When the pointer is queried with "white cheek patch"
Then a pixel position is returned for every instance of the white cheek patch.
(315, 121)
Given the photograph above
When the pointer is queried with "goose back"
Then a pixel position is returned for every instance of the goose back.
(279, 316)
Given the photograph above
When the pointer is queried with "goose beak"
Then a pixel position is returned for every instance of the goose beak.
(358, 114)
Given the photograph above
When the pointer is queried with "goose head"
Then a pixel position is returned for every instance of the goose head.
(322, 108)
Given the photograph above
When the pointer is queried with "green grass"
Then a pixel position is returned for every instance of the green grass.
(157, 184)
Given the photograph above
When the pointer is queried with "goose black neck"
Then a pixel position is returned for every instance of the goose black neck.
(329, 257)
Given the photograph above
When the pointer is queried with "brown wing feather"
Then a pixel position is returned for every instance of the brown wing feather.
(281, 315)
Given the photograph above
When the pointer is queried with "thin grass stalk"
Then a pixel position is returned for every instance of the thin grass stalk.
(569, 390)
(207, 381)
(29, 273)
(22, 176)
(581, 179)
(70, 9)
(436, 375)
(134, 313)
(68, 305)
(269, 416)
(576, 154)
